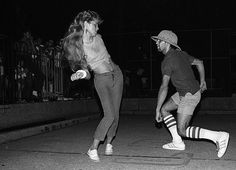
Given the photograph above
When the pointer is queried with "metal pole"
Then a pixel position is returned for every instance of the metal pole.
(211, 59)
(150, 48)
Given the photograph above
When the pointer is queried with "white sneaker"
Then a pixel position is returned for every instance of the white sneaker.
(174, 146)
(93, 155)
(109, 150)
(222, 143)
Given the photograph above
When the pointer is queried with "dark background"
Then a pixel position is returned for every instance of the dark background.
(49, 19)
(205, 29)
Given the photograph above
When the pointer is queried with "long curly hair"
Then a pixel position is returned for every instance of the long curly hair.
(73, 40)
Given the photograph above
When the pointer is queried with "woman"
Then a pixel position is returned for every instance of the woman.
(85, 50)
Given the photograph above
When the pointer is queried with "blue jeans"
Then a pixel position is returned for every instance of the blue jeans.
(109, 87)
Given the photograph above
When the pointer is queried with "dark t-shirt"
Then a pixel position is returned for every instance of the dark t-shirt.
(177, 65)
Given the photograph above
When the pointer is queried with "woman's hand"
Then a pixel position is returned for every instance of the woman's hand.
(80, 74)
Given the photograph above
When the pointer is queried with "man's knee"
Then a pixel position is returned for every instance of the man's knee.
(182, 131)
(164, 111)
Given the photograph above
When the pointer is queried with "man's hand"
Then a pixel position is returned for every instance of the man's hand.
(159, 117)
(203, 86)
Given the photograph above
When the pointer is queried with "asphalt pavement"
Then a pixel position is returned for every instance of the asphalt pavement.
(137, 146)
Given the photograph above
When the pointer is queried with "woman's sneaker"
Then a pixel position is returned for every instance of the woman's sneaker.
(93, 155)
(174, 146)
(109, 150)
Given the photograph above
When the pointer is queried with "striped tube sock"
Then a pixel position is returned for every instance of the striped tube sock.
(193, 132)
(171, 125)
(200, 133)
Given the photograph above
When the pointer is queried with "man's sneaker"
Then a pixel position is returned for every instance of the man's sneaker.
(109, 150)
(93, 155)
(222, 143)
(174, 146)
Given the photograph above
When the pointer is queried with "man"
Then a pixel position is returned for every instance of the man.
(176, 67)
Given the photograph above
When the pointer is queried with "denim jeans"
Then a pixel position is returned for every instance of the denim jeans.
(109, 87)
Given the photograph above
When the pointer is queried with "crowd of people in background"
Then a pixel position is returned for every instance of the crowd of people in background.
(37, 72)
(40, 72)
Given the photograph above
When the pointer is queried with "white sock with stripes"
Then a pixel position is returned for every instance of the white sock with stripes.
(200, 133)
(171, 125)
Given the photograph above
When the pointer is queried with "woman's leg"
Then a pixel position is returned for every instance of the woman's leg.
(95, 144)
(103, 84)
(117, 91)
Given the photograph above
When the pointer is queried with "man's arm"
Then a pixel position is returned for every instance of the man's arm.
(200, 67)
(163, 90)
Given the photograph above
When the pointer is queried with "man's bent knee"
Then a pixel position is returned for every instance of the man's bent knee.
(181, 131)
(164, 112)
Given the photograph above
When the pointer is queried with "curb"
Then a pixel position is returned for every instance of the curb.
(17, 134)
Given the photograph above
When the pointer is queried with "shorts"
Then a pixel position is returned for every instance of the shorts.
(186, 104)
